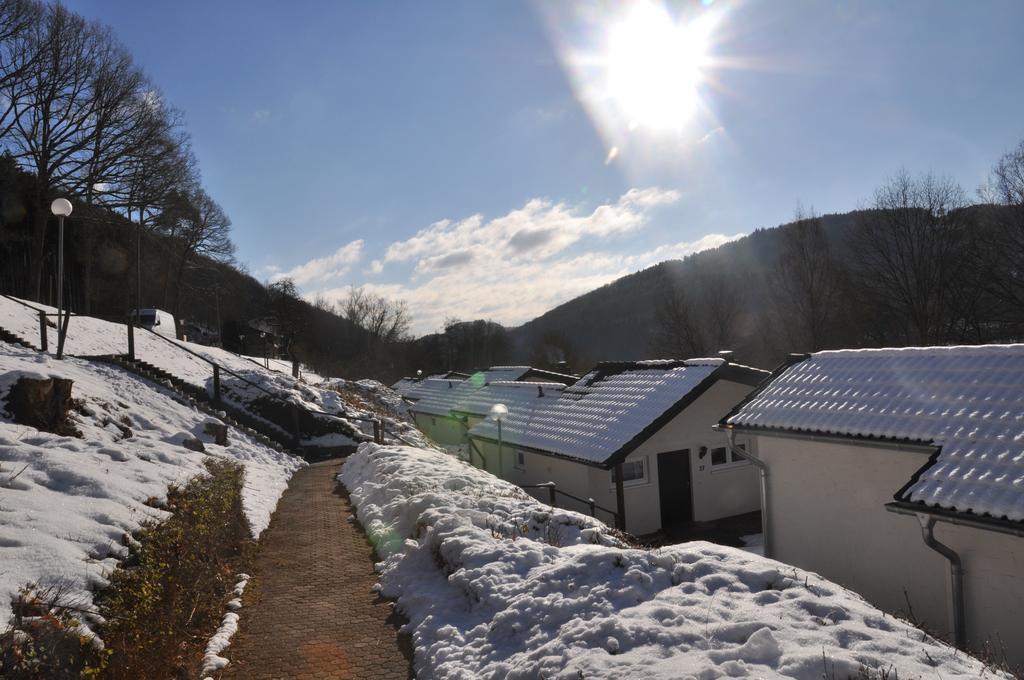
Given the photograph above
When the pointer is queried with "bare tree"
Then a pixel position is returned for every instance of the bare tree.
(909, 253)
(697, 316)
(324, 304)
(385, 321)
(53, 108)
(197, 226)
(1004, 252)
(117, 88)
(19, 52)
(805, 283)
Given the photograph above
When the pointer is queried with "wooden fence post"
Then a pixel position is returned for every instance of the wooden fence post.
(620, 498)
(295, 425)
(551, 495)
(131, 338)
(216, 384)
(44, 340)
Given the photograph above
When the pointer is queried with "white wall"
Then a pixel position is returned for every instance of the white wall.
(444, 431)
(716, 494)
(826, 514)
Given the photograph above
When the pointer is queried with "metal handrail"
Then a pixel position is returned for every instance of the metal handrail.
(34, 309)
(553, 490)
(214, 363)
(399, 437)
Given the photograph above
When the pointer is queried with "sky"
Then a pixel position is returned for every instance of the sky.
(495, 159)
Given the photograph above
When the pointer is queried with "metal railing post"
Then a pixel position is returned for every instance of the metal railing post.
(216, 384)
(44, 340)
(592, 504)
(551, 495)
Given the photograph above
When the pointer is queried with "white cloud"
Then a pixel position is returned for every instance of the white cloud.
(512, 292)
(510, 268)
(540, 229)
(322, 269)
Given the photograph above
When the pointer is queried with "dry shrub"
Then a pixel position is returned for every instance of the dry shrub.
(168, 598)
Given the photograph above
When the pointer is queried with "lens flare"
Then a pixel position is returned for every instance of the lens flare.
(645, 72)
(654, 67)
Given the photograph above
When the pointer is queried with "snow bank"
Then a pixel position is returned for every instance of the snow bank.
(495, 584)
(68, 504)
(221, 640)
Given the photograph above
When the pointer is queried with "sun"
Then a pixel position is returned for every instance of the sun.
(655, 67)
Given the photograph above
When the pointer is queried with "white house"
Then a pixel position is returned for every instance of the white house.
(900, 474)
(436, 407)
(410, 388)
(634, 438)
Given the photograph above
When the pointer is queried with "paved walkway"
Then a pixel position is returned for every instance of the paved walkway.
(310, 611)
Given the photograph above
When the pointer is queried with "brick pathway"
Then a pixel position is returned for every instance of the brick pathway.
(309, 610)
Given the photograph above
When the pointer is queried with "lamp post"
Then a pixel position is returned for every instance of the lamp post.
(61, 207)
(498, 413)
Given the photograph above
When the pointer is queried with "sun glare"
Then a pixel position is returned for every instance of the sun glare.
(654, 67)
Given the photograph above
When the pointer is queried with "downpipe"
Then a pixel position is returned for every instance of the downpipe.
(730, 438)
(956, 571)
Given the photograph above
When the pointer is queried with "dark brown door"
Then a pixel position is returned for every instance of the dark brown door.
(674, 488)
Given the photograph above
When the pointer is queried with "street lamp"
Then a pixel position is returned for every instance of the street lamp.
(61, 207)
(498, 413)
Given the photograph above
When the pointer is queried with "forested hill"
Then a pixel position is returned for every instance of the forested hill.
(619, 321)
(808, 285)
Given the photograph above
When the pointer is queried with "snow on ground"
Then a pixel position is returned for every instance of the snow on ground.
(66, 504)
(496, 584)
(191, 362)
(285, 366)
(371, 398)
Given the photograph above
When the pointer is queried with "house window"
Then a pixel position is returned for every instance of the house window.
(520, 463)
(634, 472)
(722, 457)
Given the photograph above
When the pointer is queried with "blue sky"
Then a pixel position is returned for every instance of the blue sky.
(460, 154)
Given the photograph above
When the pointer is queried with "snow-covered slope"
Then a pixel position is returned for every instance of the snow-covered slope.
(192, 363)
(497, 585)
(66, 503)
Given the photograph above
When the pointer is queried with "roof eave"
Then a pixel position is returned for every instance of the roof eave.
(540, 452)
(831, 437)
(969, 519)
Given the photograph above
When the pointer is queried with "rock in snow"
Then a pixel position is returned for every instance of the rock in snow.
(496, 584)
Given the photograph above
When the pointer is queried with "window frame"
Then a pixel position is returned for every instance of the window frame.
(732, 461)
(640, 481)
(516, 460)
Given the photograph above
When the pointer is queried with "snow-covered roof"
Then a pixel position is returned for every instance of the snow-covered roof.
(607, 409)
(404, 385)
(968, 401)
(441, 401)
(514, 395)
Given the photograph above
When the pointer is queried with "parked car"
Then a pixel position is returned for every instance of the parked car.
(158, 321)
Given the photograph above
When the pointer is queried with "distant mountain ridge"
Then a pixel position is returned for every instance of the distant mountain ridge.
(616, 321)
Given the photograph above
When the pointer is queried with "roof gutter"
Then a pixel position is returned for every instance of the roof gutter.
(730, 436)
(956, 569)
(829, 438)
